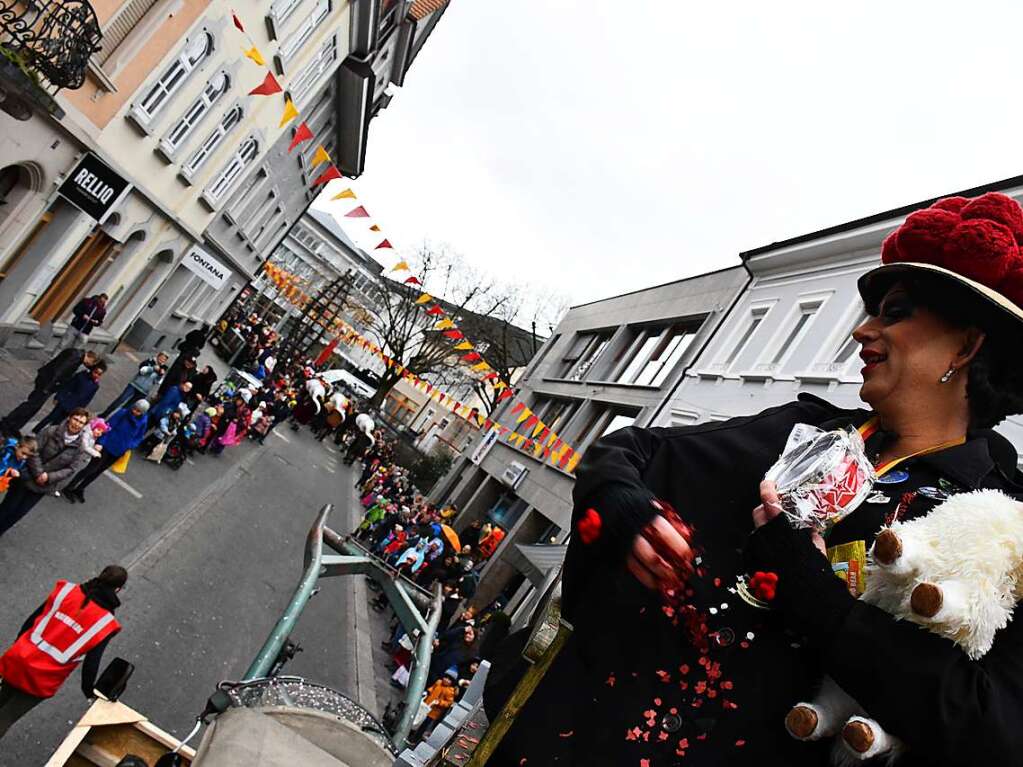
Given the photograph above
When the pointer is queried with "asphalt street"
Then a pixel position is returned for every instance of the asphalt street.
(214, 552)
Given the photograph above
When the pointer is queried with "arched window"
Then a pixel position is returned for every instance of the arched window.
(227, 123)
(189, 59)
(198, 109)
(241, 159)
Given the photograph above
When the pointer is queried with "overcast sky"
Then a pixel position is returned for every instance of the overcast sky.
(609, 146)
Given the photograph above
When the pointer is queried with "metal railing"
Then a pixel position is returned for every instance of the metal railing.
(417, 609)
(53, 38)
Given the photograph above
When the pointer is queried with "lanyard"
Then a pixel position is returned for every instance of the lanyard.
(871, 426)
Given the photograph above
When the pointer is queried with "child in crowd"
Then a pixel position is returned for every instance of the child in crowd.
(14, 454)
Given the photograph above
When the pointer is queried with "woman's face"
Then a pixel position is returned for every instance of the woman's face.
(906, 349)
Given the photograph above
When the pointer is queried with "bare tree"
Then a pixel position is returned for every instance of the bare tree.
(408, 335)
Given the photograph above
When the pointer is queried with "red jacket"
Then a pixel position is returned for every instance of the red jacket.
(45, 655)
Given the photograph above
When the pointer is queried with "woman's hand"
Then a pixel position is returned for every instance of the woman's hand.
(42, 479)
(661, 557)
(770, 507)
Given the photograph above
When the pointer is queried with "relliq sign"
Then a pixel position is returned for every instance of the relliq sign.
(93, 187)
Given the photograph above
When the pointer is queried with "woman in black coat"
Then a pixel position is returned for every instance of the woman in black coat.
(709, 682)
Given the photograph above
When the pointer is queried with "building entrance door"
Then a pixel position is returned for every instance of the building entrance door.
(74, 276)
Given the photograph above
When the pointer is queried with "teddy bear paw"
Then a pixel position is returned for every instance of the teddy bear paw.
(858, 735)
(927, 599)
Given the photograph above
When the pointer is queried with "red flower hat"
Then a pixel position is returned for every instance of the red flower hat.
(976, 242)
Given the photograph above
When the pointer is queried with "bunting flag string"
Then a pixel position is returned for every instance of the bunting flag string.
(537, 437)
(329, 174)
(290, 113)
(302, 133)
(268, 87)
(319, 157)
(254, 54)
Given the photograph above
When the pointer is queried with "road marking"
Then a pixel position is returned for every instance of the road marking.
(190, 461)
(277, 433)
(329, 469)
(124, 485)
(131, 356)
(161, 541)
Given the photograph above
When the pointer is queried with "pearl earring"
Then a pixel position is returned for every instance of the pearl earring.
(948, 375)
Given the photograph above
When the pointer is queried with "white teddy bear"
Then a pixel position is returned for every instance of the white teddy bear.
(958, 572)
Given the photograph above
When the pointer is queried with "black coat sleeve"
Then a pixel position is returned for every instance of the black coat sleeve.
(90, 666)
(950, 710)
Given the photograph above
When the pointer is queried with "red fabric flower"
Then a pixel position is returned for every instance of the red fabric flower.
(589, 526)
(763, 585)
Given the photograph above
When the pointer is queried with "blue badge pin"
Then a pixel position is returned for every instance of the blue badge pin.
(893, 477)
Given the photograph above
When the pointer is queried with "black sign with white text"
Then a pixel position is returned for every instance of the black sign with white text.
(93, 187)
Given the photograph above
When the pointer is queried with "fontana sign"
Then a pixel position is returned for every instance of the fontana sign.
(206, 267)
(93, 187)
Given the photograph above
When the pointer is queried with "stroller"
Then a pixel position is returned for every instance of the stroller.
(179, 448)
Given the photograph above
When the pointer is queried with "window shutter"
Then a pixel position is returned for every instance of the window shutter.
(118, 27)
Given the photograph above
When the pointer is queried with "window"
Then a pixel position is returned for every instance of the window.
(192, 55)
(297, 39)
(585, 350)
(118, 28)
(806, 313)
(602, 421)
(848, 349)
(242, 157)
(542, 354)
(756, 318)
(658, 350)
(322, 63)
(215, 88)
(230, 119)
(279, 13)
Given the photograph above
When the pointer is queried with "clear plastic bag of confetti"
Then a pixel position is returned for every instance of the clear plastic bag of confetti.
(822, 476)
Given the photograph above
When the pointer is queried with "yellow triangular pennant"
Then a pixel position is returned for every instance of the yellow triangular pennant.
(480, 367)
(254, 54)
(320, 155)
(347, 194)
(401, 266)
(290, 113)
(464, 346)
(444, 324)
(374, 228)
(424, 298)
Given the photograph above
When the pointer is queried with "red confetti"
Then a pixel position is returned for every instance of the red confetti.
(589, 526)
(684, 743)
(717, 582)
(610, 681)
(726, 685)
(672, 710)
(662, 736)
(684, 668)
(702, 737)
(649, 714)
(568, 734)
(663, 675)
(657, 701)
(644, 763)
(740, 743)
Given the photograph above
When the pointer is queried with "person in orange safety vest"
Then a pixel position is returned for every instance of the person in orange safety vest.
(73, 625)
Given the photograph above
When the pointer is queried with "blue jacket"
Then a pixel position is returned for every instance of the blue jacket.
(126, 432)
(170, 400)
(78, 392)
(7, 459)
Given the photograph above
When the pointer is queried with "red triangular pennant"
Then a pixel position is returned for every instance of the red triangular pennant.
(328, 175)
(301, 134)
(237, 22)
(359, 212)
(453, 334)
(505, 394)
(471, 357)
(413, 281)
(268, 87)
(384, 244)
(435, 310)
